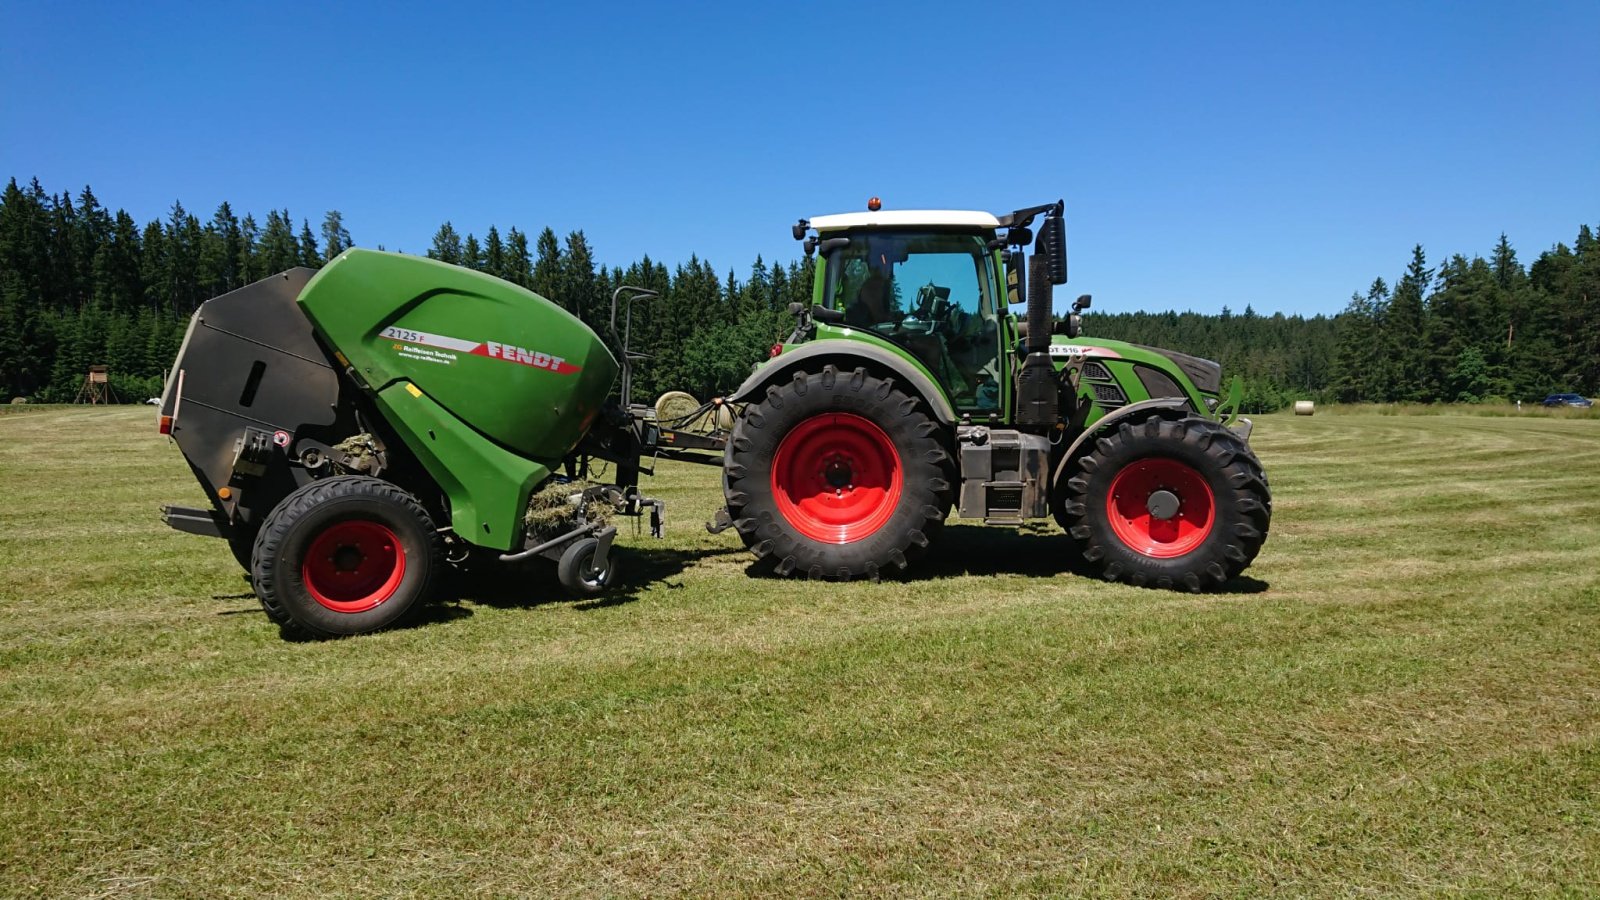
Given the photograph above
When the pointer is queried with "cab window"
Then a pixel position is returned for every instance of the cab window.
(931, 294)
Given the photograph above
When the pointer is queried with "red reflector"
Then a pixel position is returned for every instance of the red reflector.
(776, 349)
(166, 424)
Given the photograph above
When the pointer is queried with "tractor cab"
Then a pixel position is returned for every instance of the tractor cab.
(931, 291)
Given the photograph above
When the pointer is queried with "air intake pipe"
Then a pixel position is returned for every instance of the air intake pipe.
(1038, 394)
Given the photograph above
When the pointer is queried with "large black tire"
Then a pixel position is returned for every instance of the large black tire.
(837, 475)
(1174, 504)
(344, 556)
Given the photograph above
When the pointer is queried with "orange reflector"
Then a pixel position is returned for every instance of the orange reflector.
(224, 492)
(166, 425)
(874, 204)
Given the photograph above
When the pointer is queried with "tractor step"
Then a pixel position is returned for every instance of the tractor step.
(1003, 475)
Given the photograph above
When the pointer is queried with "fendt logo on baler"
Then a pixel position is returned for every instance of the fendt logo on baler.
(537, 359)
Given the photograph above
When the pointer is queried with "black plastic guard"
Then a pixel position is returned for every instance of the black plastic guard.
(251, 365)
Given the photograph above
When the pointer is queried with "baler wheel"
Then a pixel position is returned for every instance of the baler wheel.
(343, 556)
(1174, 504)
(837, 475)
(576, 572)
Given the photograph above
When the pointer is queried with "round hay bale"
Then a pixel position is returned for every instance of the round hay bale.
(17, 401)
(1304, 407)
(675, 405)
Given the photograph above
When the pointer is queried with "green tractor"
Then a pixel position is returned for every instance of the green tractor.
(908, 390)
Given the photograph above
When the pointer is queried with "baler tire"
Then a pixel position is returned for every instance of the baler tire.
(1224, 510)
(344, 556)
(788, 450)
(575, 569)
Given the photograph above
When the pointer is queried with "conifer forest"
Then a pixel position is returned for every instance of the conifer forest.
(81, 285)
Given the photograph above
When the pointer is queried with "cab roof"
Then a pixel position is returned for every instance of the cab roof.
(903, 218)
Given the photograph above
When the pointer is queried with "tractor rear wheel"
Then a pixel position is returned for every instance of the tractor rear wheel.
(344, 556)
(837, 475)
(1176, 504)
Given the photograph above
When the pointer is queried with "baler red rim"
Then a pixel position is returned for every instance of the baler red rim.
(354, 566)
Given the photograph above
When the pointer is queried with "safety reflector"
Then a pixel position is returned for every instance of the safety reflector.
(166, 424)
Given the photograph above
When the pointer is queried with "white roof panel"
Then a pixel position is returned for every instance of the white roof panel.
(889, 218)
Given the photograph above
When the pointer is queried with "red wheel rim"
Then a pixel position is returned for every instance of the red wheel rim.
(354, 566)
(1144, 484)
(836, 478)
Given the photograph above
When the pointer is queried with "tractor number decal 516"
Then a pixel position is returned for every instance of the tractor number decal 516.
(493, 349)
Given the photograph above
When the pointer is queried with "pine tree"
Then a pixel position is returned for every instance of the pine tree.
(118, 285)
(335, 238)
(219, 252)
(446, 245)
(494, 254)
(249, 265)
(578, 289)
(546, 277)
(1403, 329)
(308, 246)
(279, 250)
(519, 266)
(472, 253)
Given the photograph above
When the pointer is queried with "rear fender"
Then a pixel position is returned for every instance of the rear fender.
(846, 355)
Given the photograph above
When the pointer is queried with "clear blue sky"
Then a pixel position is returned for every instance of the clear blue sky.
(1276, 154)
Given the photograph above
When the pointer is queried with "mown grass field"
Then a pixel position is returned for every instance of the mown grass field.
(1402, 698)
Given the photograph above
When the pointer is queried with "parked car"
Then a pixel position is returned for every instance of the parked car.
(1568, 400)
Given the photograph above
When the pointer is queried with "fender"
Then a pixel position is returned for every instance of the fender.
(845, 354)
(1174, 404)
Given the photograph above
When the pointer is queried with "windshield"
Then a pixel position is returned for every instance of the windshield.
(929, 293)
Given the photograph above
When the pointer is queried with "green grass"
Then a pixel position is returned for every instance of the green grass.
(1528, 410)
(1400, 698)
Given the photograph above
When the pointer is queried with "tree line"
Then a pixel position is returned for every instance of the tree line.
(1473, 330)
(81, 285)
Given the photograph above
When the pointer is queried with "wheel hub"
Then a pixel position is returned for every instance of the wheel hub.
(347, 559)
(1163, 505)
(837, 472)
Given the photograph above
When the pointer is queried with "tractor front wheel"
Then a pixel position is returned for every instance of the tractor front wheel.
(344, 556)
(837, 475)
(1176, 504)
